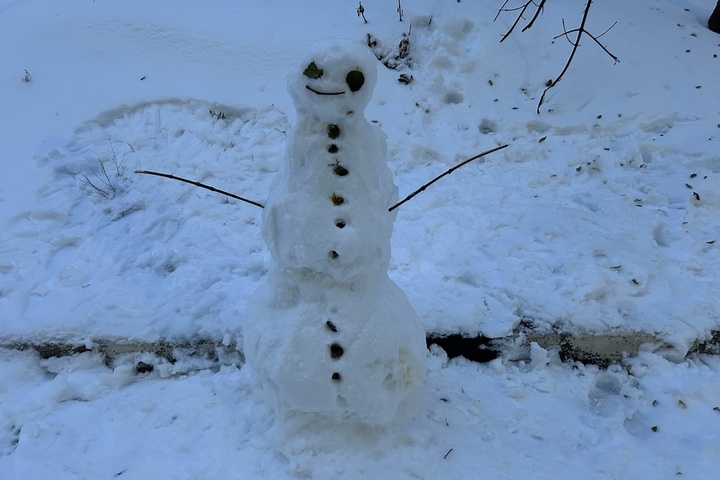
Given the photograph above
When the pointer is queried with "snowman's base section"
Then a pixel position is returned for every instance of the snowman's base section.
(597, 349)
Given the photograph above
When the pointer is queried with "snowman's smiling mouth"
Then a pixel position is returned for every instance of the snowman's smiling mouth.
(323, 93)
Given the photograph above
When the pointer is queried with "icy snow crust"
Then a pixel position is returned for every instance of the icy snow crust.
(554, 231)
(329, 332)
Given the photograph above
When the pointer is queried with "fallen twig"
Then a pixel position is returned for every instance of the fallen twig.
(447, 172)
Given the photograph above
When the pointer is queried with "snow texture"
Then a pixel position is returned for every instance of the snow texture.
(602, 216)
(329, 332)
(596, 228)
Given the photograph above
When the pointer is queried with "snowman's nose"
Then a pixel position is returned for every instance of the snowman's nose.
(322, 93)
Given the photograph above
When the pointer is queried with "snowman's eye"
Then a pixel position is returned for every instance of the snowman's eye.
(355, 80)
(312, 71)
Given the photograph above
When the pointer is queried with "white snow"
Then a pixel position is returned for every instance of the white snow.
(601, 216)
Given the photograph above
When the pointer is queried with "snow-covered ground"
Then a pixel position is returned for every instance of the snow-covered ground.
(603, 215)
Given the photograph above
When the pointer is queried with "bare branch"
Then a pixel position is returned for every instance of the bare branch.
(447, 172)
(517, 20)
(537, 14)
(580, 31)
(572, 54)
(607, 30)
(615, 59)
(97, 189)
(566, 33)
(201, 185)
(104, 184)
(502, 9)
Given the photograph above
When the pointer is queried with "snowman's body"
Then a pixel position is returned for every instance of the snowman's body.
(330, 332)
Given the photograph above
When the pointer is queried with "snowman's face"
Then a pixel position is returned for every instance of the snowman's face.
(338, 78)
(354, 80)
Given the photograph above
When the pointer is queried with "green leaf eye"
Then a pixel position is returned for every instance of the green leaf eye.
(312, 71)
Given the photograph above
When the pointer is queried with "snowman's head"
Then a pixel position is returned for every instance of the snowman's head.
(337, 77)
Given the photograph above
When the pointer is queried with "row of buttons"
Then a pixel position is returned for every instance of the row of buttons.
(333, 131)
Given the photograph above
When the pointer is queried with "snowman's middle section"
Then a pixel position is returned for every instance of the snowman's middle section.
(329, 212)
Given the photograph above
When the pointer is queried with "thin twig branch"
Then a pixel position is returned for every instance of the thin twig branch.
(502, 9)
(106, 187)
(257, 204)
(517, 20)
(580, 31)
(447, 172)
(606, 30)
(537, 14)
(566, 33)
(201, 185)
(615, 59)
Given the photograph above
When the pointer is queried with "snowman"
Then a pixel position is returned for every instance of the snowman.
(329, 332)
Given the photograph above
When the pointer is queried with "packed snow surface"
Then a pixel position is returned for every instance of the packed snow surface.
(602, 215)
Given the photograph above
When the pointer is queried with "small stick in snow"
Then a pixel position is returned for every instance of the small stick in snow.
(447, 172)
(448, 453)
(201, 185)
